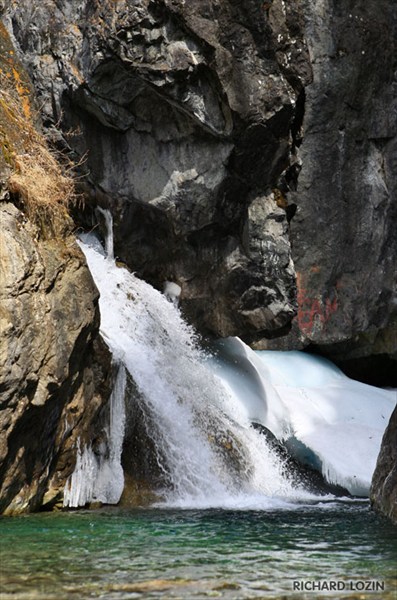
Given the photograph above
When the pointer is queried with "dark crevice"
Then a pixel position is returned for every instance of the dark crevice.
(297, 123)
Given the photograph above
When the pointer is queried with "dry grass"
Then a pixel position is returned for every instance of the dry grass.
(42, 189)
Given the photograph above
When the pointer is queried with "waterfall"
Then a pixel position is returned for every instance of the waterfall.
(207, 451)
(200, 407)
(207, 456)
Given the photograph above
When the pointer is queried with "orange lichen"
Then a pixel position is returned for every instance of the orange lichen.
(35, 178)
(24, 93)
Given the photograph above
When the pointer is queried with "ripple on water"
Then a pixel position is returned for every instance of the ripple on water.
(192, 554)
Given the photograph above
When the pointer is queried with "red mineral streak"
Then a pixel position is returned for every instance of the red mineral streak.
(313, 311)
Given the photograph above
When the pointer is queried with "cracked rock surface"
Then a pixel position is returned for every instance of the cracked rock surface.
(185, 111)
(196, 119)
(54, 368)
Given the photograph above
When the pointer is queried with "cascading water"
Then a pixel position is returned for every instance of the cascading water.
(206, 448)
(109, 243)
(200, 417)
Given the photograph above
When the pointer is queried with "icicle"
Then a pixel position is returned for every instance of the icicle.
(98, 475)
(109, 245)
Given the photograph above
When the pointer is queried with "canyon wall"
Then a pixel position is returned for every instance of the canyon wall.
(55, 370)
(343, 234)
(247, 151)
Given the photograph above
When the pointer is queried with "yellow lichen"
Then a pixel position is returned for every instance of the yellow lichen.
(39, 185)
(24, 93)
(280, 199)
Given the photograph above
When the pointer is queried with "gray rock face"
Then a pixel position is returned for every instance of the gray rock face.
(343, 234)
(201, 119)
(186, 112)
(384, 481)
(54, 369)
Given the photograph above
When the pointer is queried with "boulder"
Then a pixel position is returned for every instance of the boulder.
(384, 482)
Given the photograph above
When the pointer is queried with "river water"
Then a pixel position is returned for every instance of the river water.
(157, 553)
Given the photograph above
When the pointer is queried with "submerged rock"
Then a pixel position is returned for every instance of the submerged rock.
(384, 482)
(296, 465)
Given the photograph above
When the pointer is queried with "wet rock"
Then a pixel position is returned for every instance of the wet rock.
(300, 464)
(384, 482)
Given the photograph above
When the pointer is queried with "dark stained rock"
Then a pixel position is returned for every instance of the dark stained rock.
(343, 233)
(384, 482)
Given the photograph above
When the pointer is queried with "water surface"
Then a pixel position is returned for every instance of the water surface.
(125, 554)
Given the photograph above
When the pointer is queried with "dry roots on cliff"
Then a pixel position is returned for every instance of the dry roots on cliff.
(41, 188)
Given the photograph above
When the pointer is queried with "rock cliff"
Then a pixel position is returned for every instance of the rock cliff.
(344, 245)
(54, 368)
(247, 151)
(186, 114)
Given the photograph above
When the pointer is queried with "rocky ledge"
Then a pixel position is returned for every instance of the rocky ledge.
(384, 482)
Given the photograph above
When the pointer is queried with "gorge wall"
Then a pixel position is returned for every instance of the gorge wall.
(55, 370)
(247, 151)
(344, 248)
